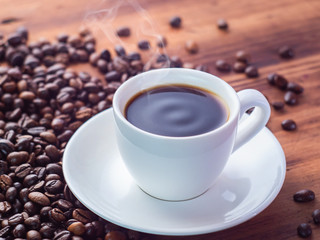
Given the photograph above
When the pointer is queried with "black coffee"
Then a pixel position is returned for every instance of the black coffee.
(176, 110)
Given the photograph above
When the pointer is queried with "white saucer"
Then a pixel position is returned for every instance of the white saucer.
(96, 175)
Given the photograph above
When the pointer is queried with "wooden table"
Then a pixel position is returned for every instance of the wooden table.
(259, 27)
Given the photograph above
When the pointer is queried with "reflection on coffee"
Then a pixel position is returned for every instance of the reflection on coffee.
(176, 110)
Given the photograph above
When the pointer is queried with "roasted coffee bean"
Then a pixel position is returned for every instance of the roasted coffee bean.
(175, 22)
(16, 219)
(102, 65)
(84, 114)
(63, 235)
(223, 66)
(23, 195)
(316, 216)
(239, 67)
(33, 235)
(251, 72)
(243, 56)
(39, 198)
(54, 168)
(222, 24)
(5, 207)
(144, 45)
(50, 177)
(280, 81)
(304, 195)
(37, 187)
(191, 46)
(29, 180)
(5, 181)
(14, 39)
(35, 131)
(47, 230)
(53, 153)
(105, 55)
(295, 87)
(32, 223)
(77, 228)
(44, 212)
(133, 56)
(304, 230)
(19, 231)
(11, 194)
(278, 105)
(286, 52)
(290, 98)
(57, 124)
(271, 78)
(17, 158)
(23, 170)
(57, 215)
(42, 160)
(289, 125)
(93, 59)
(6, 147)
(112, 76)
(54, 186)
(123, 31)
(82, 215)
(62, 204)
(115, 235)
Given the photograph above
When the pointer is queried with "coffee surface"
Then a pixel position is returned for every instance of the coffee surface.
(176, 110)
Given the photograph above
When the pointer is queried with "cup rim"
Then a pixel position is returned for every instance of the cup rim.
(232, 117)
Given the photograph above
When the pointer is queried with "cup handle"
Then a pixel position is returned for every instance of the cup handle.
(249, 127)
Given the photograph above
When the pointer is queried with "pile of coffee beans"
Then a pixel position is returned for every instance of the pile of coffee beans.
(42, 104)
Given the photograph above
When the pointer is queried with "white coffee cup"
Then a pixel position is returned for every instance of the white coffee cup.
(181, 168)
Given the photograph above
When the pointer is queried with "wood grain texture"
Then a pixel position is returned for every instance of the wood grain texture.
(259, 27)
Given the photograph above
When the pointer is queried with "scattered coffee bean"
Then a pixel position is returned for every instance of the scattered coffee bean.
(295, 87)
(175, 22)
(222, 24)
(239, 67)
(304, 195)
(304, 230)
(144, 45)
(290, 98)
(316, 216)
(277, 80)
(243, 56)
(251, 71)
(286, 52)
(191, 46)
(223, 66)
(289, 125)
(123, 31)
(278, 105)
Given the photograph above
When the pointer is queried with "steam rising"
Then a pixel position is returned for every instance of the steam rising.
(104, 20)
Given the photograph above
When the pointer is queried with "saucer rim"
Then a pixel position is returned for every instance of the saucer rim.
(209, 228)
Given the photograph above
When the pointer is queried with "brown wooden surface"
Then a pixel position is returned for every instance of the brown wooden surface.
(260, 27)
